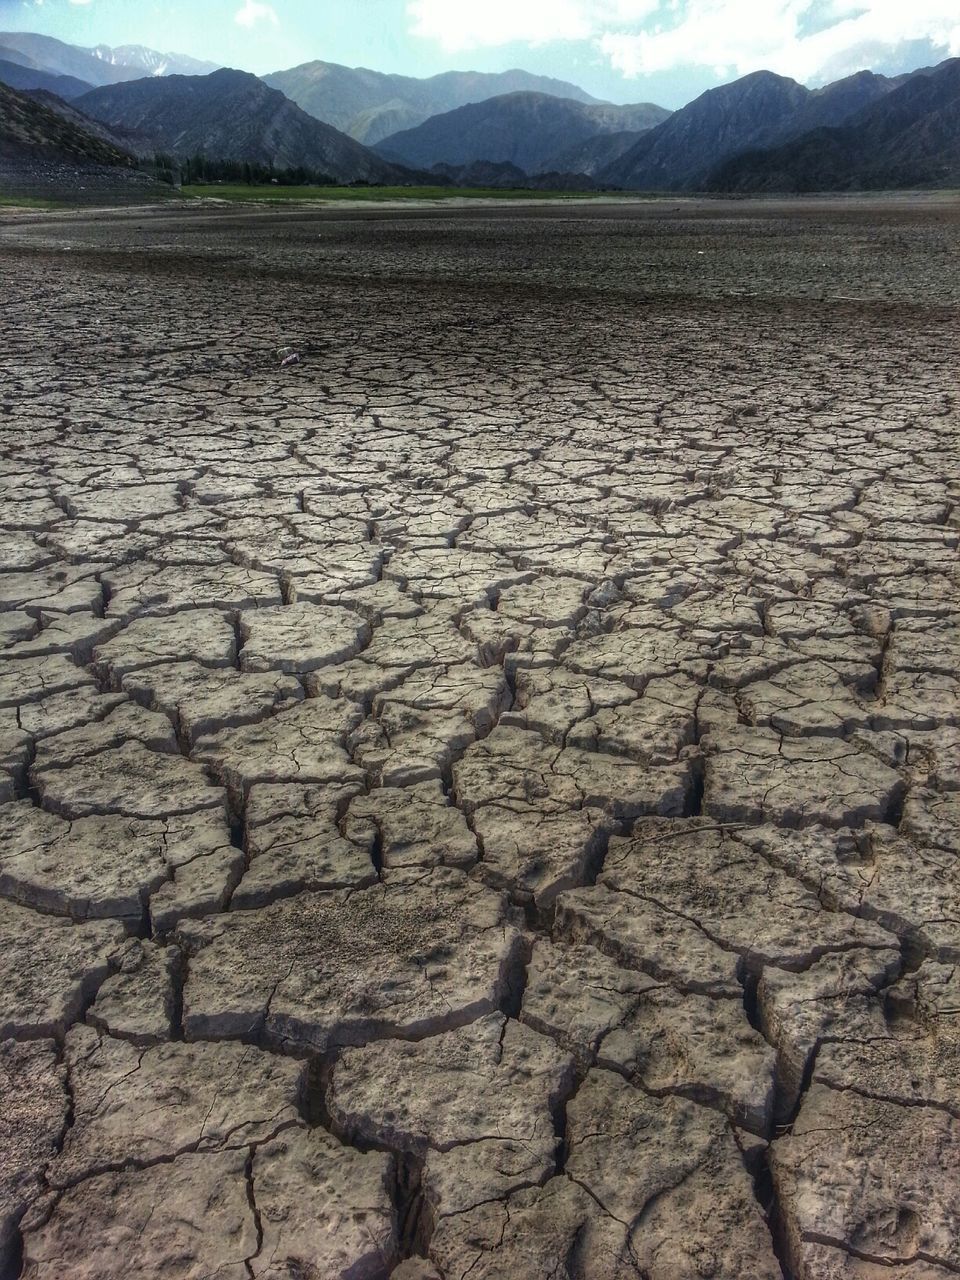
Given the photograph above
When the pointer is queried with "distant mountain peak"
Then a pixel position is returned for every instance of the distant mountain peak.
(533, 131)
(156, 64)
(763, 76)
(101, 64)
(372, 105)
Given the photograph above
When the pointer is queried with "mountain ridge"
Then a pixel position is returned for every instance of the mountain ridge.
(22, 78)
(233, 115)
(372, 105)
(760, 132)
(95, 65)
(908, 138)
(529, 130)
(754, 111)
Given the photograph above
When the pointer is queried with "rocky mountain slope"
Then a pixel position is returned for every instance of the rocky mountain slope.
(834, 103)
(530, 130)
(126, 140)
(231, 115)
(371, 106)
(909, 138)
(596, 153)
(100, 65)
(32, 128)
(758, 110)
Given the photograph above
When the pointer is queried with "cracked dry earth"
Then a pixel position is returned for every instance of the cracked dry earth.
(484, 801)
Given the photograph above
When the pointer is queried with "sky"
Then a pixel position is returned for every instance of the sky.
(665, 51)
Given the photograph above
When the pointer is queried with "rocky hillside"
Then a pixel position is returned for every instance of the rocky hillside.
(590, 157)
(30, 128)
(530, 130)
(126, 140)
(910, 138)
(371, 106)
(831, 105)
(758, 110)
(231, 115)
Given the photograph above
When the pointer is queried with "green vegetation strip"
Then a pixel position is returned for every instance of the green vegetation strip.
(227, 191)
(28, 202)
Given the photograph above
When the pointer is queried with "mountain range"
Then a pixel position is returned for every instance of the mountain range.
(763, 132)
(92, 67)
(910, 137)
(534, 131)
(371, 106)
(232, 115)
(759, 110)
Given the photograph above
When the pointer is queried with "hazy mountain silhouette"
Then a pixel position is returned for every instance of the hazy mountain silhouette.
(530, 130)
(370, 105)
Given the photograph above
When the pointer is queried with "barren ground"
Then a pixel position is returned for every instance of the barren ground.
(483, 800)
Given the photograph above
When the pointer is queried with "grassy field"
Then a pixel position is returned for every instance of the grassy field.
(28, 202)
(228, 191)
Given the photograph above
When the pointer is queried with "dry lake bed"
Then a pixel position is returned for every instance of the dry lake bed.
(481, 798)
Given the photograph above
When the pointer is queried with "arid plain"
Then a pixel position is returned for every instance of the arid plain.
(482, 799)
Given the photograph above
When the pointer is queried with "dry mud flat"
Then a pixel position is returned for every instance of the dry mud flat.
(485, 800)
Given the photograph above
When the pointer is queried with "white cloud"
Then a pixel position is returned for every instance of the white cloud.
(254, 12)
(800, 38)
(472, 24)
(737, 36)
